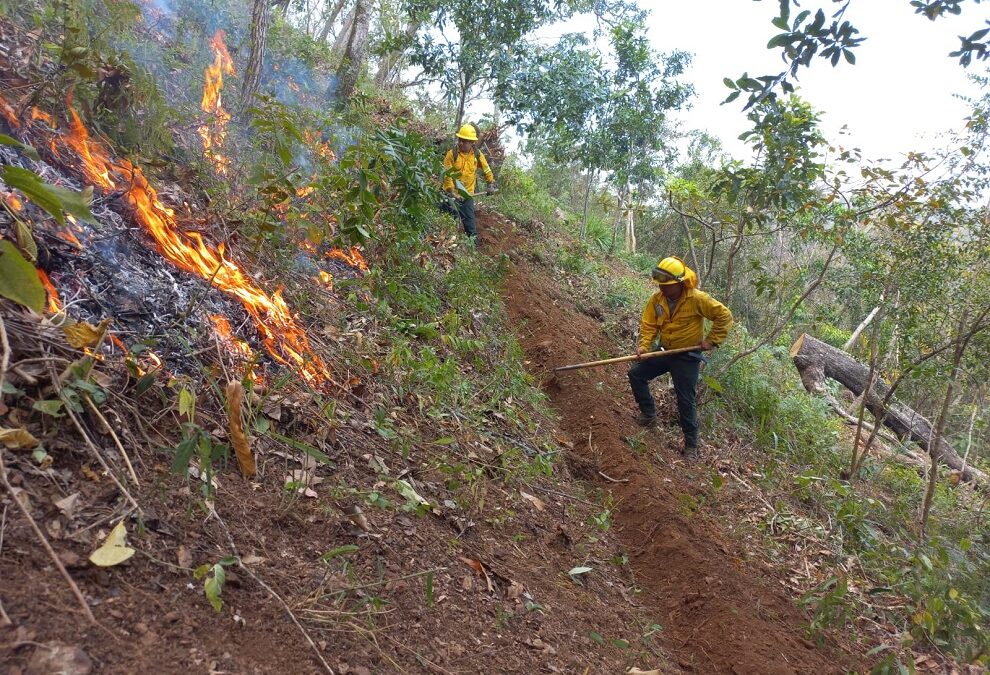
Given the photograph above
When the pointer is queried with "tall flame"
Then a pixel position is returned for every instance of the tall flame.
(282, 336)
(54, 303)
(215, 132)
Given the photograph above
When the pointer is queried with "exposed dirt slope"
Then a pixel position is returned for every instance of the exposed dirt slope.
(720, 613)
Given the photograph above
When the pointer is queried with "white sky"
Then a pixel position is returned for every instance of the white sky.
(898, 97)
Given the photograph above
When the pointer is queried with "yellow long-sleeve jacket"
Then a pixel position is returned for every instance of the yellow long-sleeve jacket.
(466, 170)
(687, 326)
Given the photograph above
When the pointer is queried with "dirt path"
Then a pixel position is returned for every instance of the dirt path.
(719, 613)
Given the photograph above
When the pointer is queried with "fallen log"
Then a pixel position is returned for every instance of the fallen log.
(817, 360)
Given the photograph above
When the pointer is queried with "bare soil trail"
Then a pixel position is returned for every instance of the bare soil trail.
(719, 612)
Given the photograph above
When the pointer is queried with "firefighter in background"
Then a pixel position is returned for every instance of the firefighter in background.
(676, 315)
(462, 163)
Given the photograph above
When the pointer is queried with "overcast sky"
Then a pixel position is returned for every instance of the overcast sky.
(900, 95)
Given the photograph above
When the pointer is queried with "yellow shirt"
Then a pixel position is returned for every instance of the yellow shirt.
(466, 170)
(686, 327)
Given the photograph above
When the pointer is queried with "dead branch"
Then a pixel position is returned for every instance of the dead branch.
(817, 360)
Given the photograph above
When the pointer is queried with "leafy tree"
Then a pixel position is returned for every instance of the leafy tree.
(612, 118)
(467, 45)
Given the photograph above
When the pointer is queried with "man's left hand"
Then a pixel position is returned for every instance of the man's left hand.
(707, 346)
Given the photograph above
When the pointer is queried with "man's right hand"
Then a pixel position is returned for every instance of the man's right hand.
(639, 352)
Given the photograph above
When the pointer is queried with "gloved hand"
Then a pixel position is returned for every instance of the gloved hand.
(492, 188)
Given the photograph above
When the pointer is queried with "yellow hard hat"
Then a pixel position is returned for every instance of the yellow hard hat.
(670, 270)
(468, 133)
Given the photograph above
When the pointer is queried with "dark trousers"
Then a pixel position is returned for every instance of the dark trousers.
(465, 211)
(684, 370)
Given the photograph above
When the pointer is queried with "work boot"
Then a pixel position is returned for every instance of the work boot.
(648, 421)
(690, 452)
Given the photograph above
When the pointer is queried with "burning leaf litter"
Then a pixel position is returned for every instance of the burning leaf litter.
(281, 333)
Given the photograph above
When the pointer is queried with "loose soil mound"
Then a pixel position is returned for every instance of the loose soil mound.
(720, 613)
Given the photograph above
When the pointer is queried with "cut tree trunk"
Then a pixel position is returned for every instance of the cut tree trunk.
(817, 360)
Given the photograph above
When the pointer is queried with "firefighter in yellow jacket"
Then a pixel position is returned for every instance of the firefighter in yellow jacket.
(676, 314)
(463, 163)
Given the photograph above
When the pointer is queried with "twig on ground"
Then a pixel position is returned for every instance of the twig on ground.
(44, 542)
(113, 435)
(419, 657)
(612, 480)
(388, 581)
(560, 494)
(4, 618)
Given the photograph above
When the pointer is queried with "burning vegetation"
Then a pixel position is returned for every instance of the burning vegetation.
(214, 131)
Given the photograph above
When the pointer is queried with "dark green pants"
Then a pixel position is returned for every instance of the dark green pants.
(684, 370)
(465, 211)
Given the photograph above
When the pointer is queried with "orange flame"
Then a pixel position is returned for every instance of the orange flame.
(38, 114)
(352, 257)
(326, 279)
(54, 303)
(222, 327)
(13, 201)
(282, 336)
(214, 134)
(8, 113)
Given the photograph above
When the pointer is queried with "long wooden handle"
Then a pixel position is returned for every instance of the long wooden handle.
(633, 357)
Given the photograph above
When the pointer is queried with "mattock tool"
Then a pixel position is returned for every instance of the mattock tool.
(632, 357)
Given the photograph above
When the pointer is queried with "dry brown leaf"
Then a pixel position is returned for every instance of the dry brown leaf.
(515, 590)
(184, 557)
(235, 393)
(537, 643)
(67, 505)
(82, 335)
(356, 516)
(479, 569)
(17, 439)
(637, 671)
(467, 583)
(534, 500)
(252, 559)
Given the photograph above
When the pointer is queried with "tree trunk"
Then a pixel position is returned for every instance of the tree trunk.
(587, 198)
(730, 260)
(630, 230)
(343, 38)
(618, 216)
(936, 438)
(261, 18)
(694, 254)
(355, 53)
(389, 64)
(816, 360)
(331, 18)
(461, 100)
(859, 329)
